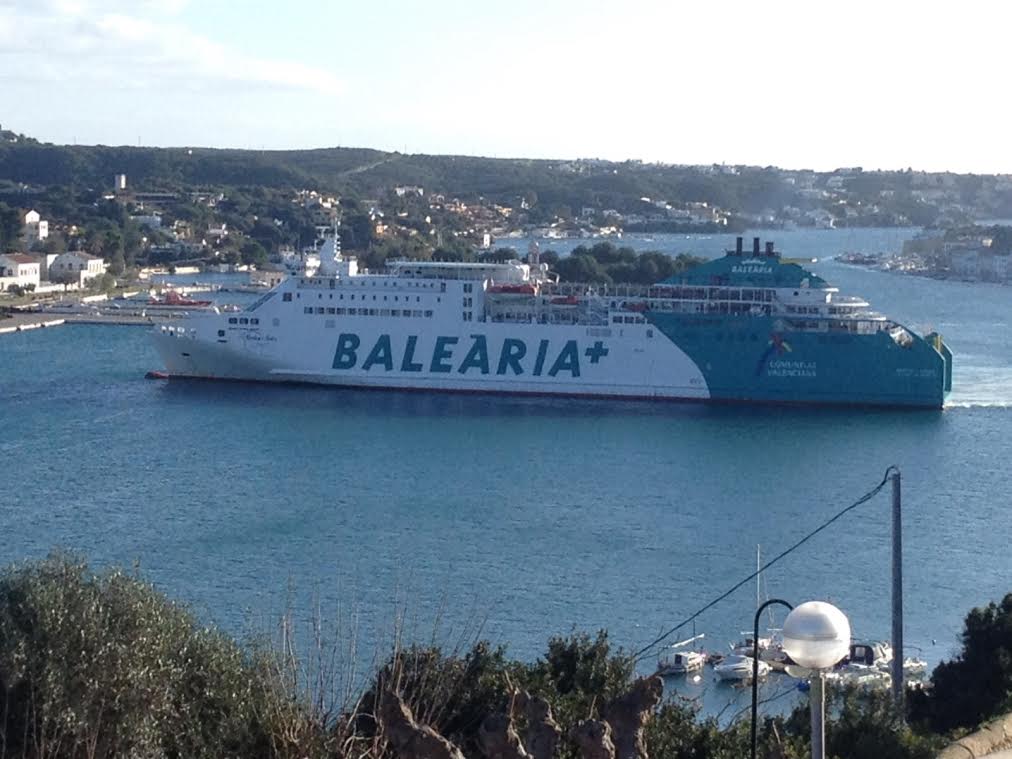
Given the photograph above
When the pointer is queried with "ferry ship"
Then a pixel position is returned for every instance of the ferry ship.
(750, 327)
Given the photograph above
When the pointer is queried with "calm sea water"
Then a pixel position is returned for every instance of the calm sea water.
(530, 517)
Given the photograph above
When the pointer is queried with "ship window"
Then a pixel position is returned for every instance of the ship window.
(221, 333)
(232, 320)
(428, 313)
(321, 310)
(331, 310)
(395, 312)
(307, 309)
(339, 311)
(331, 296)
(319, 296)
(286, 297)
(374, 297)
(341, 296)
(650, 333)
(353, 296)
(384, 312)
(254, 321)
(244, 321)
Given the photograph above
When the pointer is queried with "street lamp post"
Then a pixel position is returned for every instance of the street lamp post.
(755, 665)
(817, 636)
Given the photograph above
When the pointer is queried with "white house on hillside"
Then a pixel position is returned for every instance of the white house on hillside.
(76, 267)
(18, 269)
(36, 229)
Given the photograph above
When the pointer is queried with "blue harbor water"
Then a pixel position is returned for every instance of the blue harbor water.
(527, 517)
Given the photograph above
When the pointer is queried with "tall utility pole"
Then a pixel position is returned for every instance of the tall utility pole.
(897, 664)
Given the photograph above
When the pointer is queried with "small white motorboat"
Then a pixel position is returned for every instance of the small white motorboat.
(680, 662)
(739, 668)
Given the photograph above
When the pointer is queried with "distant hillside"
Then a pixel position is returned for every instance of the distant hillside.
(550, 189)
(362, 171)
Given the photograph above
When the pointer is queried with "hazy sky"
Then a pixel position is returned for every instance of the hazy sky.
(813, 84)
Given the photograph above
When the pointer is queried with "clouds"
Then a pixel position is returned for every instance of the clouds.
(791, 83)
(142, 45)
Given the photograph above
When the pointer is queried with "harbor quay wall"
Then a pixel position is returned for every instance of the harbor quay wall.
(28, 321)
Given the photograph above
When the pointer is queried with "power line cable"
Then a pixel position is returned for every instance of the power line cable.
(638, 656)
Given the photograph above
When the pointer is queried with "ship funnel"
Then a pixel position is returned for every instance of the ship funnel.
(738, 245)
(769, 249)
(755, 247)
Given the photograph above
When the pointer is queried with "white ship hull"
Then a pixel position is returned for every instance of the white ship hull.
(375, 352)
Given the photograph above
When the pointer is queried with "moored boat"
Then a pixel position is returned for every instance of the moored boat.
(174, 300)
(739, 668)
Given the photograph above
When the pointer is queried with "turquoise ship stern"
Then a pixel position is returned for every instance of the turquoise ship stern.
(756, 360)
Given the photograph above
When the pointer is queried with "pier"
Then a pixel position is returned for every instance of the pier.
(34, 320)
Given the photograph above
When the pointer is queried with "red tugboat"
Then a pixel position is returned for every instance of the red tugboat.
(172, 299)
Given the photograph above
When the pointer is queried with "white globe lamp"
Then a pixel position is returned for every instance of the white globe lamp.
(816, 635)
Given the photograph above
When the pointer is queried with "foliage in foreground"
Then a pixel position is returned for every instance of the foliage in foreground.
(977, 684)
(99, 664)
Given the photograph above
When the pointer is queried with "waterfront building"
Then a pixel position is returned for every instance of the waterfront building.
(18, 269)
(76, 267)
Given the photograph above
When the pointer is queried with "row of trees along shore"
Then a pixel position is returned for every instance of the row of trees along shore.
(100, 664)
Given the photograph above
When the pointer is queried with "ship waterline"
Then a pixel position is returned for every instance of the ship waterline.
(745, 328)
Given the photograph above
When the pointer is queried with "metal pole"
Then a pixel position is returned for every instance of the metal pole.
(755, 665)
(897, 664)
(818, 708)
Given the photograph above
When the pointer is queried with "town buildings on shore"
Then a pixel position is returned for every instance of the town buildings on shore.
(969, 255)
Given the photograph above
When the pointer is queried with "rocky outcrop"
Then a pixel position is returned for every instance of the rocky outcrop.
(409, 739)
(628, 716)
(992, 737)
(542, 734)
(498, 738)
(593, 736)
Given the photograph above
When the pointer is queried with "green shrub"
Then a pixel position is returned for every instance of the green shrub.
(977, 684)
(103, 665)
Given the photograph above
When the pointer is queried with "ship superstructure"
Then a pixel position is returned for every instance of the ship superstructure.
(748, 327)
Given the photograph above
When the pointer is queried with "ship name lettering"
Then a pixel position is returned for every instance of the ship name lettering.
(511, 358)
(409, 364)
(477, 356)
(442, 353)
(788, 368)
(750, 269)
(512, 351)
